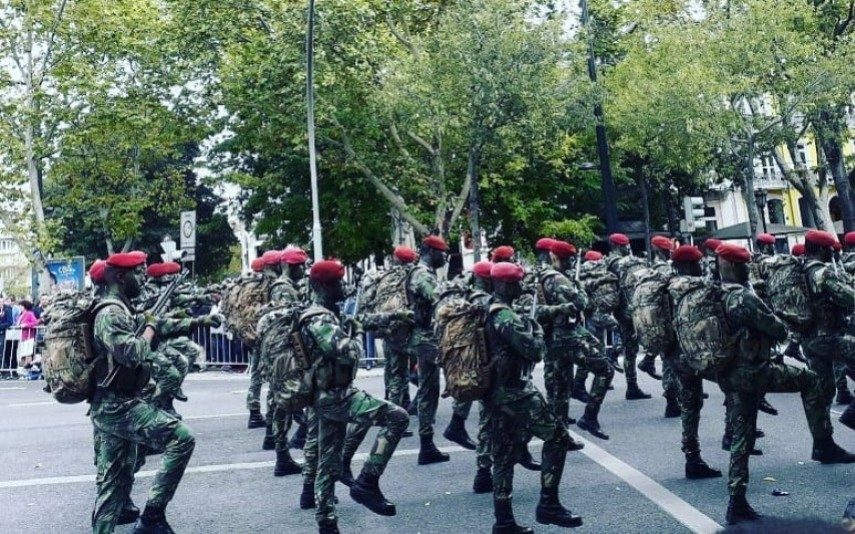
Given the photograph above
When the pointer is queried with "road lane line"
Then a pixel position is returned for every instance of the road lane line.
(39, 403)
(214, 416)
(682, 511)
(10, 389)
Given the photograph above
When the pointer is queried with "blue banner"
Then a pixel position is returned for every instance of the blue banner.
(67, 274)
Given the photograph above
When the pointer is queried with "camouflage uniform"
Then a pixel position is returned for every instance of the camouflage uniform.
(568, 343)
(752, 372)
(617, 265)
(337, 403)
(516, 406)
(423, 344)
(832, 299)
(256, 378)
(125, 421)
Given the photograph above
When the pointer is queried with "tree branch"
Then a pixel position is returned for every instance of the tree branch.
(427, 146)
(51, 39)
(399, 36)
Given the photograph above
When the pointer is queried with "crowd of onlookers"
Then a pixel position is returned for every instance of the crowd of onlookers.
(20, 358)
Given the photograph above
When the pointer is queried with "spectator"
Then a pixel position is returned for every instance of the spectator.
(16, 309)
(5, 323)
(39, 308)
(28, 323)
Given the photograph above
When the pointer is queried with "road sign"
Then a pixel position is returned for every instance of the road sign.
(188, 235)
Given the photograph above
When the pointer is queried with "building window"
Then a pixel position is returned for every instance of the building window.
(767, 167)
(803, 155)
(806, 213)
(776, 211)
(835, 209)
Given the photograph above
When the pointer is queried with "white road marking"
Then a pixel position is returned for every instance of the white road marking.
(39, 403)
(10, 389)
(682, 511)
(214, 416)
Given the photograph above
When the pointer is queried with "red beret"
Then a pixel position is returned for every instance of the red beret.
(482, 269)
(503, 252)
(563, 249)
(619, 239)
(733, 253)
(405, 254)
(544, 243)
(127, 260)
(272, 257)
(593, 255)
(849, 239)
(327, 271)
(434, 241)
(96, 271)
(156, 270)
(837, 246)
(799, 249)
(766, 239)
(661, 242)
(257, 265)
(507, 272)
(294, 256)
(818, 237)
(711, 244)
(687, 253)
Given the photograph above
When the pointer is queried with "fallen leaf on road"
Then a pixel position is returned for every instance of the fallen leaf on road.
(769, 479)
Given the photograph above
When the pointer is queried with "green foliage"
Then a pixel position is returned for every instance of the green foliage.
(582, 231)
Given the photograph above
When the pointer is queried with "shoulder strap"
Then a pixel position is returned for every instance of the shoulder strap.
(497, 306)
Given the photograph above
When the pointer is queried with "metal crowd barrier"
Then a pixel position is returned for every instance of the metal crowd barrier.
(221, 349)
(12, 345)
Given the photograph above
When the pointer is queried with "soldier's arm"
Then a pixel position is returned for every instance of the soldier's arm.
(424, 286)
(746, 308)
(332, 343)
(515, 332)
(567, 292)
(839, 289)
(376, 321)
(116, 330)
(174, 327)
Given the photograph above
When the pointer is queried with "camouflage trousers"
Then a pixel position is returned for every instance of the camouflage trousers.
(335, 409)
(423, 345)
(484, 444)
(166, 378)
(744, 386)
(821, 352)
(690, 391)
(578, 346)
(840, 380)
(395, 372)
(670, 381)
(253, 395)
(310, 449)
(461, 409)
(629, 340)
(529, 415)
(125, 424)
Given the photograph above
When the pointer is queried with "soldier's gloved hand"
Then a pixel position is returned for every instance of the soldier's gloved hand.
(207, 321)
(151, 320)
(352, 326)
(536, 329)
(568, 309)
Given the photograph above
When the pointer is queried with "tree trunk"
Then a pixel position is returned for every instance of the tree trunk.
(645, 202)
(748, 189)
(798, 176)
(673, 222)
(474, 199)
(834, 161)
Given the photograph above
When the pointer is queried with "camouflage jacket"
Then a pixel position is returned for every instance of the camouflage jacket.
(115, 333)
(559, 290)
(335, 354)
(421, 291)
(663, 268)
(516, 346)
(286, 291)
(847, 260)
(832, 297)
(758, 273)
(752, 322)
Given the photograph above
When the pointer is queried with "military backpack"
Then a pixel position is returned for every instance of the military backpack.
(69, 359)
(787, 291)
(243, 305)
(463, 351)
(386, 293)
(602, 287)
(651, 313)
(700, 323)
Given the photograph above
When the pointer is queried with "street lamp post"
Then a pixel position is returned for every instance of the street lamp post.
(608, 186)
(317, 244)
(760, 198)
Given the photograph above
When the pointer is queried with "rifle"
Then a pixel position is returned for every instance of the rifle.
(156, 310)
(532, 314)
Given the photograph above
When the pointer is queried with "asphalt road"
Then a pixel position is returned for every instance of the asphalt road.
(631, 483)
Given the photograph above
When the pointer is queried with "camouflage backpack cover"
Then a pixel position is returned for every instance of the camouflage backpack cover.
(631, 269)
(700, 324)
(273, 335)
(244, 305)
(463, 349)
(69, 358)
(386, 292)
(787, 291)
(650, 310)
(602, 287)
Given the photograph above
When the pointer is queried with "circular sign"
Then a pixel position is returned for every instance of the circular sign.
(187, 229)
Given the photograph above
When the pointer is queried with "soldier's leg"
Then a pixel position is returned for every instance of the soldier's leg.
(841, 383)
(819, 352)
(253, 394)
(397, 364)
(629, 339)
(556, 368)
(310, 460)
(117, 457)
(503, 441)
(456, 429)
(354, 437)
(590, 355)
(483, 457)
(741, 411)
(691, 402)
(330, 439)
(366, 411)
(671, 388)
(285, 465)
(269, 442)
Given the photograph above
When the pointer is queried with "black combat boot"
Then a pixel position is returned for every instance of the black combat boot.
(366, 491)
(307, 497)
(727, 441)
(738, 510)
(180, 396)
(648, 365)
(579, 392)
(551, 512)
(298, 440)
(848, 417)
(429, 454)
(483, 481)
(346, 476)
(413, 409)
(527, 461)
(590, 423)
(633, 392)
(328, 528)
(765, 407)
(672, 407)
(794, 351)
(255, 419)
(129, 513)
(843, 396)
(505, 522)
(456, 432)
(825, 451)
(269, 442)
(285, 465)
(697, 468)
(152, 521)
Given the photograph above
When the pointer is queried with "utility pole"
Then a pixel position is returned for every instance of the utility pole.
(608, 186)
(317, 244)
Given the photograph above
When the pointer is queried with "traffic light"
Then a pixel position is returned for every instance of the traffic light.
(693, 211)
